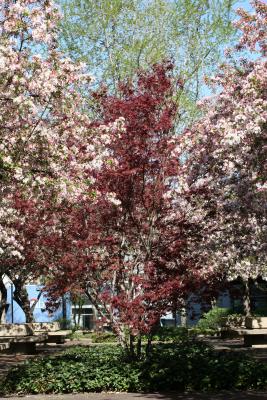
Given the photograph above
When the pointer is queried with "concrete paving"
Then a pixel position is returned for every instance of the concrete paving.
(149, 396)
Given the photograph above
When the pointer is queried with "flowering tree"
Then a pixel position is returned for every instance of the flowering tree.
(227, 149)
(43, 131)
(128, 246)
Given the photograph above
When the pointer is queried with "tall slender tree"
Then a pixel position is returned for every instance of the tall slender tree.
(116, 37)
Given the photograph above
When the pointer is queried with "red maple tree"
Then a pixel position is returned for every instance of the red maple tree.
(128, 245)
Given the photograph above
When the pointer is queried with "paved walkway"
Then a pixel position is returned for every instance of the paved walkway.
(150, 396)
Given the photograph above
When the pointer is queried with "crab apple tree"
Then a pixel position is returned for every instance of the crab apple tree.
(44, 129)
(227, 149)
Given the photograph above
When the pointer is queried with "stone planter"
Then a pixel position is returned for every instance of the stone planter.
(256, 322)
(15, 330)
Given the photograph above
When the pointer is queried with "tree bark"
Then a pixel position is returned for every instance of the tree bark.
(131, 347)
(20, 295)
(149, 345)
(139, 347)
(175, 316)
(64, 313)
(3, 302)
(246, 298)
(183, 317)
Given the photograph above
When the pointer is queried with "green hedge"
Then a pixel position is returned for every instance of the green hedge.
(185, 365)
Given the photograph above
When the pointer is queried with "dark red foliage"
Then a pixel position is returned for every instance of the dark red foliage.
(128, 247)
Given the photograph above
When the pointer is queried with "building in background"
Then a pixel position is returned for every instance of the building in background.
(83, 314)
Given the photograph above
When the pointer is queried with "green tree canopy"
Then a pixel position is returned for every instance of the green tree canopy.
(116, 37)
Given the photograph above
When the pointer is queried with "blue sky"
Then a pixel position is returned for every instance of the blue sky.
(244, 4)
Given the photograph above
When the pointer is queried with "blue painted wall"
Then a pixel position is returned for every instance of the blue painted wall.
(40, 314)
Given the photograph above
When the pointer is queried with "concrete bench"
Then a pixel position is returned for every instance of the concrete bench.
(256, 322)
(251, 336)
(23, 337)
(255, 336)
(55, 334)
(58, 337)
(23, 344)
(231, 333)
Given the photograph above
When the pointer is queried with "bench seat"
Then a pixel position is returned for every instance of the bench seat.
(23, 344)
(57, 337)
(255, 336)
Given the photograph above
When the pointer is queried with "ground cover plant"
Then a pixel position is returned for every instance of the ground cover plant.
(184, 365)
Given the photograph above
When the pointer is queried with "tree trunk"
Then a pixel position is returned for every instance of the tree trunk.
(20, 295)
(131, 347)
(183, 317)
(3, 302)
(246, 298)
(175, 316)
(64, 313)
(139, 347)
(149, 345)
(79, 313)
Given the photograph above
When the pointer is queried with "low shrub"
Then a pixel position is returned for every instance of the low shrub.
(163, 334)
(180, 366)
(212, 319)
(170, 333)
(260, 312)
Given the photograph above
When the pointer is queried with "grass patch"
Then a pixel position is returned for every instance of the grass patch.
(185, 365)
